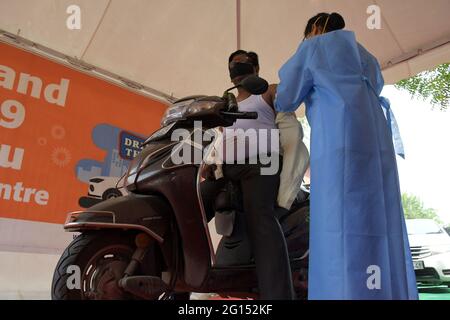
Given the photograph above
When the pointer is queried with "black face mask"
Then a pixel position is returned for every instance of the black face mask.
(240, 69)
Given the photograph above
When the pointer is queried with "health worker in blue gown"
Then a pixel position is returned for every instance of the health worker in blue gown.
(358, 241)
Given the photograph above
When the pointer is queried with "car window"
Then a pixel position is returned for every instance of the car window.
(422, 227)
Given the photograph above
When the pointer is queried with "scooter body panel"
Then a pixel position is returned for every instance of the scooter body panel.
(148, 213)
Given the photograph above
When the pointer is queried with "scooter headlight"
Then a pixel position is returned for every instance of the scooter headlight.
(175, 112)
(199, 106)
(182, 109)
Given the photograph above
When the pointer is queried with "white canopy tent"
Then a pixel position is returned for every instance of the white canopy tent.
(180, 47)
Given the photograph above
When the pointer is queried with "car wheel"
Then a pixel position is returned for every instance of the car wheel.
(111, 193)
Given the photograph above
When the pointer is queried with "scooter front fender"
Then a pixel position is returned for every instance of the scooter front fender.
(148, 213)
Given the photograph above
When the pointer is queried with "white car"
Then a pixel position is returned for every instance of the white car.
(430, 250)
(106, 188)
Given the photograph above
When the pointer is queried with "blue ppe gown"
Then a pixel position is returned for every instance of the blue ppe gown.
(359, 246)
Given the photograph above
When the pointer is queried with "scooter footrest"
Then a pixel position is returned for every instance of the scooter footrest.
(145, 287)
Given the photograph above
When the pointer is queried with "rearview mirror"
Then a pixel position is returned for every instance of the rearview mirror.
(254, 84)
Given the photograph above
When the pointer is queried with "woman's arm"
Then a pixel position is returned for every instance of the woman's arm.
(296, 79)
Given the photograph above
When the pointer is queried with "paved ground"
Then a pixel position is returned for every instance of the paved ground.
(425, 293)
(434, 293)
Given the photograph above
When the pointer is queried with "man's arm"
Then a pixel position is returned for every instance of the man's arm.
(269, 96)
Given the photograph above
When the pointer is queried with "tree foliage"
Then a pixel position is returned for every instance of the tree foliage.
(433, 85)
(415, 209)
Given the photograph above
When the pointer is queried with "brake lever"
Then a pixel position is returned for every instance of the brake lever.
(231, 100)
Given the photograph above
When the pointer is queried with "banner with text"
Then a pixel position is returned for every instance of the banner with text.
(66, 137)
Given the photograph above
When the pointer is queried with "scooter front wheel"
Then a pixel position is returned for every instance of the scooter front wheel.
(92, 265)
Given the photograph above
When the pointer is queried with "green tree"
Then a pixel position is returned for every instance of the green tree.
(433, 85)
(415, 209)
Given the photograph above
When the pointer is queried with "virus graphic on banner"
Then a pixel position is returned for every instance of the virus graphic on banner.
(61, 156)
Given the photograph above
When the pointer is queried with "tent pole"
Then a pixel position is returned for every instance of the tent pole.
(238, 24)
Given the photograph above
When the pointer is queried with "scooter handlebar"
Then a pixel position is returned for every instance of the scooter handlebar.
(240, 115)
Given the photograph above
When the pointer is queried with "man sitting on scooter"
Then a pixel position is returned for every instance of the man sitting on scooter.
(243, 165)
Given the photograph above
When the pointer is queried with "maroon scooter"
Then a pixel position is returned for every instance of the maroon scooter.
(155, 243)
